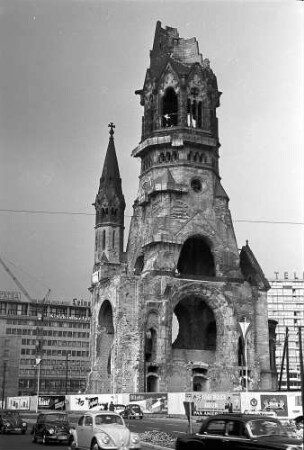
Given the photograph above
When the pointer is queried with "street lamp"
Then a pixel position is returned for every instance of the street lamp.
(3, 382)
(38, 365)
(244, 327)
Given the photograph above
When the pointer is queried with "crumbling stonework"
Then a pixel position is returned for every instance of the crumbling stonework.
(167, 312)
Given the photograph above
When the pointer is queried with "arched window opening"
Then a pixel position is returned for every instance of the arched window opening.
(189, 112)
(170, 108)
(200, 380)
(113, 239)
(105, 329)
(150, 345)
(103, 243)
(168, 157)
(196, 326)
(199, 115)
(139, 265)
(161, 158)
(194, 114)
(109, 365)
(152, 383)
(196, 258)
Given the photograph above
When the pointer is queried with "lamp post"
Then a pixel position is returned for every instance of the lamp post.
(244, 327)
(66, 372)
(38, 365)
(3, 383)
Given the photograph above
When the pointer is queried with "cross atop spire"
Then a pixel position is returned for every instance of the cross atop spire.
(111, 126)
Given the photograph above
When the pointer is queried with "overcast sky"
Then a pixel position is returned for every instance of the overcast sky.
(68, 68)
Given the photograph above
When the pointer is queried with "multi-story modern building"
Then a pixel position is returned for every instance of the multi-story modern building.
(53, 334)
(286, 305)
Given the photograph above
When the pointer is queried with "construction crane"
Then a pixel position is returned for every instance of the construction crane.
(22, 288)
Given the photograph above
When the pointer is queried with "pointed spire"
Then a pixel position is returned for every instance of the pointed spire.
(110, 167)
(110, 202)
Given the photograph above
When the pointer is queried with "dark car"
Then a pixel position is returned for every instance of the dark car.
(132, 411)
(52, 427)
(11, 421)
(239, 431)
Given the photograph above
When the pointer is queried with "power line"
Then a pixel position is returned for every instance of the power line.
(75, 213)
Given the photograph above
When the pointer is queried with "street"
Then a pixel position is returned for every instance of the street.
(174, 427)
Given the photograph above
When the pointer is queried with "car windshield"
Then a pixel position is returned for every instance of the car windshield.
(107, 419)
(11, 414)
(135, 408)
(266, 427)
(56, 418)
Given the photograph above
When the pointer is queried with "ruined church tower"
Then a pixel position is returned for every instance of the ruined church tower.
(167, 312)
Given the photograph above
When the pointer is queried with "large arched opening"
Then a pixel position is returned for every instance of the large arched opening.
(194, 335)
(196, 258)
(105, 335)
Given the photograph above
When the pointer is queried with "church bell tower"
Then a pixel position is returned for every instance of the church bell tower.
(185, 287)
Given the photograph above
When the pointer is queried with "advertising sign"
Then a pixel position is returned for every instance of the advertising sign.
(151, 402)
(56, 402)
(276, 403)
(213, 403)
(18, 403)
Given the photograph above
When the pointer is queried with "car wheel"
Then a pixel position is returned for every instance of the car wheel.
(44, 439)
(23, 431)
(95, 445)
(34, 438)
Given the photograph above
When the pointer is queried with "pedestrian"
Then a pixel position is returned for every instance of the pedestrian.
(111, 407)
(229, 405)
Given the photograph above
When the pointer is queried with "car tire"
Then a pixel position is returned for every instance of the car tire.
(23, 431)
(34, 438)
(95, 446)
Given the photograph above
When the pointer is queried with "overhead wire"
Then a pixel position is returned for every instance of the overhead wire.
(75, 213)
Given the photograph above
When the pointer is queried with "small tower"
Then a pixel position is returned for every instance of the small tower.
(110, 206)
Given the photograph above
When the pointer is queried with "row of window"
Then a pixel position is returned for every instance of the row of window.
(103, 239)
(45, 352)
(52, 343)
(55, 372)
(25, 383)
(60, 363)
(24, 309)
(49, 323)
(54, 333)
(173, 156)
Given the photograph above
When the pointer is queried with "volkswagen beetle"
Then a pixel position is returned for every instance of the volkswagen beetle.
(103, 430)
(11, 421)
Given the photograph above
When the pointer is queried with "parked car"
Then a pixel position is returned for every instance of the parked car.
(119, 408)
(52, 427)
(11, 421)
(97, 430)
(132, 411)
(239, 431)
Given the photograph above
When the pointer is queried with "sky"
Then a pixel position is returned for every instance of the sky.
(69, 68)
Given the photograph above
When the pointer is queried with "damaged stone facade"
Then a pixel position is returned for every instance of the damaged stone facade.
(166, 313)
